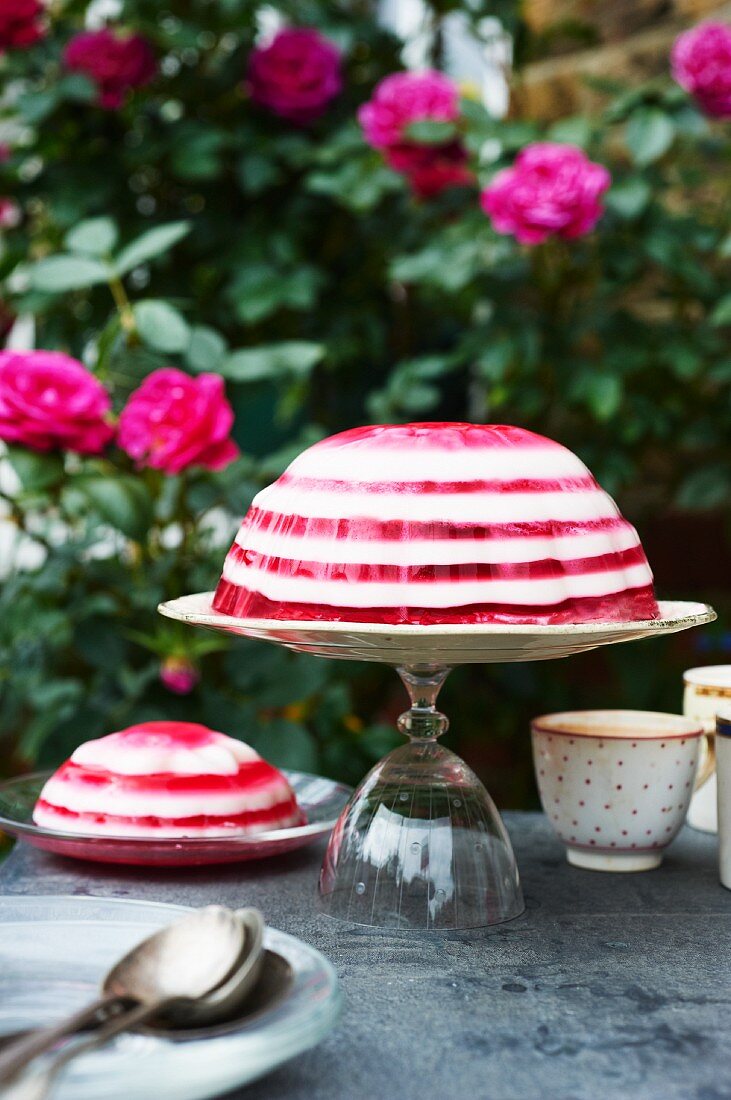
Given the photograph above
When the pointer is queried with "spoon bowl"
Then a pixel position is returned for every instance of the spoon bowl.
(185, 961)
(227, 998)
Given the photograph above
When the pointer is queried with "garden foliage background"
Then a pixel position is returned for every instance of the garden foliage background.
(192, 226)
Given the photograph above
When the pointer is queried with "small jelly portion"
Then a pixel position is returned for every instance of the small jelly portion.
(167, 779)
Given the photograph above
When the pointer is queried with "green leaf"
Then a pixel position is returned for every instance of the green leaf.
(286, 745)
(93, 237)
(419, 398)
(257, 173)
(603, 395)
(151, 244)
(452, 258)
(161, 326)
(34, 107)
(78, 88)
(431, 132)
(629, 197)
(36, 470)
(107, 342)
(260, 289)
(685, 362)
(722, 313)
(206, 350)
(378, 739)
(493, 363)
(57, 274)
(358, 184)
(409, 388)
(197, 152)
(272, 361)
(709, 487)
(649, 134)
(575, 130)
(300, 680)
(122, 501)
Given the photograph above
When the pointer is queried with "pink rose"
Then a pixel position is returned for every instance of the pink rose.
(431, 169)
(48, 400)
(179, 675)
(10, 213)
(551, 190)
(403, 98)
(701, 63)
(174, 421)
(21, 23)
(296, 75)
(116, 63)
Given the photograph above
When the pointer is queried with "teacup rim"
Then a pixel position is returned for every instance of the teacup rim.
(544, 723)
(706, 676)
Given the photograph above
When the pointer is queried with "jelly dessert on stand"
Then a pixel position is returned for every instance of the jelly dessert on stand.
(435, 524)
(425, 546)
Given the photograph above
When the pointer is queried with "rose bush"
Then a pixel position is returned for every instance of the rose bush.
(283, 224)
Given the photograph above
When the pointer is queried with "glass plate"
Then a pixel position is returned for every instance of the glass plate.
(54, 951)
(320, 799)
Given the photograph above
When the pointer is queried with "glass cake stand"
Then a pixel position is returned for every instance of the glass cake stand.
(420, 844)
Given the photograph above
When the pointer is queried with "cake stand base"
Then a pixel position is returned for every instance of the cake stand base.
(420, 844)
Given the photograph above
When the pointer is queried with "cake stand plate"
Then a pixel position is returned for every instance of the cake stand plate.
(420, 844)
(437, 646)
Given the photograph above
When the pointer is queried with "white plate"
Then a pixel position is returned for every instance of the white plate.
(437, 645)
(54, 952)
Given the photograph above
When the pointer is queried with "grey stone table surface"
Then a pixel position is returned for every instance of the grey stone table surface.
(609, 987)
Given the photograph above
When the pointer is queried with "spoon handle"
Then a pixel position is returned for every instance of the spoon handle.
(20, 1053)
(38, 1085)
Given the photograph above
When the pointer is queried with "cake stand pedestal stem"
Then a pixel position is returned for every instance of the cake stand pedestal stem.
(423, 722)
(420, 845)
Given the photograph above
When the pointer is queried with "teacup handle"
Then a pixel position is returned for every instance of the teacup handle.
(707, 764)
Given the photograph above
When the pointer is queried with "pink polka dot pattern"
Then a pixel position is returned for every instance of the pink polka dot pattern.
(605, 801)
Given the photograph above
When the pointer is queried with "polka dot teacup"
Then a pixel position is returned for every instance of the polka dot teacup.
(615, 784)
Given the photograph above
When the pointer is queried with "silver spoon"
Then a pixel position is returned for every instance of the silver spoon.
(220, 1003)
(184, 961)
(223, 1002)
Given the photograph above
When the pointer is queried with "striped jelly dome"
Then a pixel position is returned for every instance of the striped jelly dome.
(166, 779)
(435, 524)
